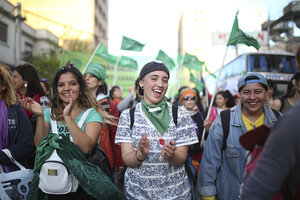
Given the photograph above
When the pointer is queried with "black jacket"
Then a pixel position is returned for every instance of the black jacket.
(20, 137)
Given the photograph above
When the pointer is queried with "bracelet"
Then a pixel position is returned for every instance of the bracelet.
(138, 157)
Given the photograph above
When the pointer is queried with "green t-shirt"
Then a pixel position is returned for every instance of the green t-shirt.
(62, 128)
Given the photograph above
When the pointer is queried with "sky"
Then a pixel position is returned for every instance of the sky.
(155, 23)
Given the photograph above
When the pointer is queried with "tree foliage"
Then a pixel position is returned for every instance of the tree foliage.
(47, 65)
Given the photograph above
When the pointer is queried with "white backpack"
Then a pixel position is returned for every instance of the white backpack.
(55, 178)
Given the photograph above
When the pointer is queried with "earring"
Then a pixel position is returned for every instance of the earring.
(142, 87)
(25, 85)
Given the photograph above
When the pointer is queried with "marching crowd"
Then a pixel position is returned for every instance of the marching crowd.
(150, 144)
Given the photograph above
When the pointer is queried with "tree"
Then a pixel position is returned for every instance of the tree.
(47, 65)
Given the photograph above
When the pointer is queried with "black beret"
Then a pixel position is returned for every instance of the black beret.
(151, 67)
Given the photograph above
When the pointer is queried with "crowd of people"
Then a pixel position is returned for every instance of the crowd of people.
(153, 144)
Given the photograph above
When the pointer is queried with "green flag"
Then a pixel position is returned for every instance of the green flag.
(128, 62)
(103, 53)
(162, 56)
(198, 83)
(79, 59)
(210, 72)
(192, 62)
(131, 45)
(237, 36)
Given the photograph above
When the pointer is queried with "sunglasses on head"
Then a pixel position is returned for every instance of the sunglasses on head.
(189, 98)
(67, 66)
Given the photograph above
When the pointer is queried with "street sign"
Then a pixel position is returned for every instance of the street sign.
(221, 38)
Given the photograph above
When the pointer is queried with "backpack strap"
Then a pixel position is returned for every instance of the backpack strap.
(131, 112)
(276, 113)
(83, 117)
(175, 113)
(225, 119)
(80, 122)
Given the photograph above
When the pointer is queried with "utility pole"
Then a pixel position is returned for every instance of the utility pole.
(18, 35)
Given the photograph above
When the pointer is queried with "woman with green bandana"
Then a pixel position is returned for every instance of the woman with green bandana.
(155, 149)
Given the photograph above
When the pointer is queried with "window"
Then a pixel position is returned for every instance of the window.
(3, 32)
(27, 55)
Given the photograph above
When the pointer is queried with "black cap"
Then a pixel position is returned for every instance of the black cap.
(151, 67)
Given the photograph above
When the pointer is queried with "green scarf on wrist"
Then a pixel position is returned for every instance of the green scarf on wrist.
(158, 114)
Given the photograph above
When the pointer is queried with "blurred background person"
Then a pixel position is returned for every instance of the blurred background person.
(189, 99)
(116, 96)
(223, 100)
(46, 87)
(47, 90)
(273, 101)
(95, 76)
(15, 129)
(176, 100)
(26, 82)
(292, 93)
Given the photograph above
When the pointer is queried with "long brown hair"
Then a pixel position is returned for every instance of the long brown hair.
(8, 93)
(85, 98)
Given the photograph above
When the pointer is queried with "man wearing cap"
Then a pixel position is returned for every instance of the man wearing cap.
(221, 171)
(155, 149)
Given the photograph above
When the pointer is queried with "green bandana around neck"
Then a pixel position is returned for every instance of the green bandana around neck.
(158, 114)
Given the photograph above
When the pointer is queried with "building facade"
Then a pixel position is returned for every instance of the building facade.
(19, 42)
(69, 20)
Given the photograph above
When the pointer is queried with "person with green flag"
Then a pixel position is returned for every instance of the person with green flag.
(153, 148)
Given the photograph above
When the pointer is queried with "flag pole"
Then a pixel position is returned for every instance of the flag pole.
(178, 76)
(116, 72)
(91, 58)
(213, 97)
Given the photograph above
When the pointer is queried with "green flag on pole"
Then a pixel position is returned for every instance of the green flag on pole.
(162, 56)
(237, 36)
(103, 53)
(192, 62)
(128, 62)
(210, 72)
(179, 59)
(131, 45)
(198, 83)
(79, 59)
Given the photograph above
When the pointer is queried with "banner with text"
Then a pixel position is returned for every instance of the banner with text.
(221, 38)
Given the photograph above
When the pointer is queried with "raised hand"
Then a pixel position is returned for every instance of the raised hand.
(143, 147)
(68, 109)
(168, 150)
(31, 105)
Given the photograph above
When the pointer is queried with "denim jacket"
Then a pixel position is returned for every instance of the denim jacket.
(221, 172)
